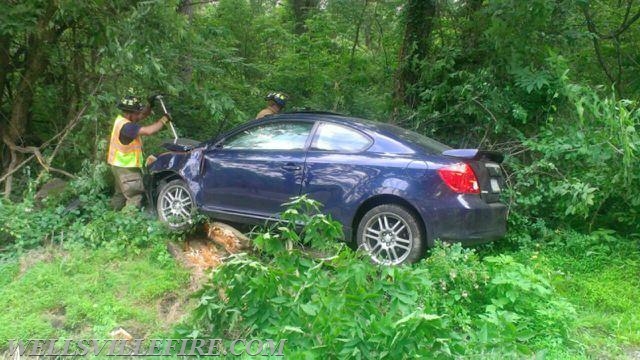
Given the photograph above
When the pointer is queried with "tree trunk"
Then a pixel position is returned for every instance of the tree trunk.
(472, 33)
(35, 63)
(419, 17)
(419, 23)
(5, 63)
(301, 10)
(186, 8)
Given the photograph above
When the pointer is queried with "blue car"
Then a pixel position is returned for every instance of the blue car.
(394, 191)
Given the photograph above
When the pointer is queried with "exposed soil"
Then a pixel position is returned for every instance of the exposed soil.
(57, 317)
(36, 256)
(207, 249)
(169, 308)
(633, 354)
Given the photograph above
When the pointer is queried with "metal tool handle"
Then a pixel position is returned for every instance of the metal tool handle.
(173, 130)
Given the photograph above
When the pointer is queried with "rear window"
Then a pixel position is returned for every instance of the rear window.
(332, 137)
(413, 137)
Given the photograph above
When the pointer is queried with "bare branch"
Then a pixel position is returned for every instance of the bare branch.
(626, 23)
(16, 168)
(186, 4)
(596, 45)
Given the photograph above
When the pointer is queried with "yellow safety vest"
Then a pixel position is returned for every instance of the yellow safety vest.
(121, 155)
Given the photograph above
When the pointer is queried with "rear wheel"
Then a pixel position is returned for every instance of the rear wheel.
(391, 235)
(175, 205)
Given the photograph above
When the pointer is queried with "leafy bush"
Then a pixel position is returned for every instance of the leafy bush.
(81, 215)
(299, 227)
(451, 304)
(581, 171)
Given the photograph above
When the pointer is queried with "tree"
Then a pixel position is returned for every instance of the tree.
(301, 10)
(613, 45)
(419, 18)
(44, 34)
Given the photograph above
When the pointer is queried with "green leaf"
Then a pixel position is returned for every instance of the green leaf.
(295, 329)
(309, 309)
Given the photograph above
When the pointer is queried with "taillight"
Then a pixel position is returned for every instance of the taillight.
(460, 178)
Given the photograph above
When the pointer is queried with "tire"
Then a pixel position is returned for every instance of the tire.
(391, 235)
(175, 205)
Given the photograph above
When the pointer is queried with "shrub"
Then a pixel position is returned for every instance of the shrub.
(81, 215)
(451, 304)
(582, 171)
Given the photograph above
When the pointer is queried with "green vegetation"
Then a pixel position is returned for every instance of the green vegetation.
(551, 84)
(451, 304)
(560, 293)
(558, 297)
(81, 293)
(599, 273)
(83, 279)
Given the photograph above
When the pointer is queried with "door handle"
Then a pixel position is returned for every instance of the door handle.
(291, 167)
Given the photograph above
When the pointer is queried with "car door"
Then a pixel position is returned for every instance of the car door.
(253, 171)
(337, 167)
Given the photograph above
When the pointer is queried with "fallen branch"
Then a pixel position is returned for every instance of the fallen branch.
(36, 152)
(486, 133)
(16, 168)
(38, 155)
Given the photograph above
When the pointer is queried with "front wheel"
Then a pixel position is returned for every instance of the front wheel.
(175, 205)
(391, 235)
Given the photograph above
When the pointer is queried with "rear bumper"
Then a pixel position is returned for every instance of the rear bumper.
(467, 219)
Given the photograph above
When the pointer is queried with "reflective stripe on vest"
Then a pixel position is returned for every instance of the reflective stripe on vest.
(121, 155)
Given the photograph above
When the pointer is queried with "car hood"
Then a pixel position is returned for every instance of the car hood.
(181, 144)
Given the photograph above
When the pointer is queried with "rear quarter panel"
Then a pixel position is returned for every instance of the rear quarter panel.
(343, 182)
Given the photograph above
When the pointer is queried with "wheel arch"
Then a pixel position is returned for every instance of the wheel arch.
(165, 176)
(384, 199)
(156, 180)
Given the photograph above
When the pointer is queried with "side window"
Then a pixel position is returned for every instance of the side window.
(332, 137)
(274, 136)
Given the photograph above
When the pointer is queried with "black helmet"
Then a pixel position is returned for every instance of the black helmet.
(130, 104)
(277, 97)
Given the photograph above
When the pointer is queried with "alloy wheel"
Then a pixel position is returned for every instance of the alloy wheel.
(388, 239)
(176, 205)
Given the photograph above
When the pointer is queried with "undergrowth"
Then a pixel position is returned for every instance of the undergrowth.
(339, 305)
(79, 216)
(542, 291)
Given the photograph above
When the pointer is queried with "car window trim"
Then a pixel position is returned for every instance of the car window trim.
(316, 136)
(311, 139)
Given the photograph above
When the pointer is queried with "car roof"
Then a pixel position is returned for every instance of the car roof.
(383, 132)
(325, 116)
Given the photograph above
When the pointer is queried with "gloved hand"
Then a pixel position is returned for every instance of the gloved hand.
(152, 99)
(166, 118)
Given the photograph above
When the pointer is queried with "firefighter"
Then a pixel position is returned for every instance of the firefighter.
(125, 149)
(276, 102)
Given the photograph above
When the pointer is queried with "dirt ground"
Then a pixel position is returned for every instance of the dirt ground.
(207, 249)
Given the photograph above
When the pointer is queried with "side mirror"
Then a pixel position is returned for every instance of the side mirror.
(216, 145)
